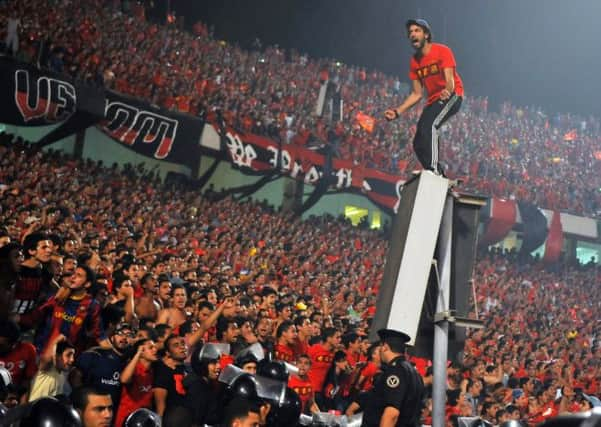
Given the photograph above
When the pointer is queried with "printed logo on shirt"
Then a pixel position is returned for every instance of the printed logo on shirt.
(392, 381)
(68, 317)
(428, 70)
(112, 382)
(10, 366)
(179, 383)
(302, 391)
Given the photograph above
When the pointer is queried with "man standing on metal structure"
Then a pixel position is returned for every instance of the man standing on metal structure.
(432, 67)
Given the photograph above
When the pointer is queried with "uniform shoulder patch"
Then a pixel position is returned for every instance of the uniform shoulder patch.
(392, 381)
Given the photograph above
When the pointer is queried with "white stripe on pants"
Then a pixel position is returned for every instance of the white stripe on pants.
(436, 125)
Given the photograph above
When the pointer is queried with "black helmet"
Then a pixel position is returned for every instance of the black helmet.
(208, 353)
(245, 387)
(198, 363)
(479, 422)
(244, 358)
(143, 418)
(49, 412)
(5, 381)
(288, 411)
(573, 420)
(3, 411)
(512, 423)
(273, 369)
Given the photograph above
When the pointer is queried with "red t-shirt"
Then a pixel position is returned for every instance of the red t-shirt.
(226, 360)
(284, 353)
(321, 360)
(20, 362)
(301, 347)
(302, 387)
(352, 359)
(369, 372)
(421, 364)
(429, 70)
(135, 395)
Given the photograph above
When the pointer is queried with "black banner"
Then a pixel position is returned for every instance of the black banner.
(259, 155)
(151, 131)
(534, 224)
(34, 98)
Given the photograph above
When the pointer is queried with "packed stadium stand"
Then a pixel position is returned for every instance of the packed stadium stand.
(113, 279)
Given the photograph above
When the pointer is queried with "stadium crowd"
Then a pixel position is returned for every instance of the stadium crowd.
(160, 271)
(517, 152)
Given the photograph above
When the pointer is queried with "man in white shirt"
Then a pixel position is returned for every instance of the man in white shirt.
(55, 363)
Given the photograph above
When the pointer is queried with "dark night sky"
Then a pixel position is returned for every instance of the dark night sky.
(531, 52)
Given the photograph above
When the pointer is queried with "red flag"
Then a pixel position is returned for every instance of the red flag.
(554, 239)
(502, 219)
(365, 121)
(597, 155)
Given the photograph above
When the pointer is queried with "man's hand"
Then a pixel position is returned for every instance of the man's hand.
(62, 294)
(445, 94)
(391, 114)
(229, 302)
(53, 342)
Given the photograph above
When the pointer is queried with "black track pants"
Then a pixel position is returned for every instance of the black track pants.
(426, 143)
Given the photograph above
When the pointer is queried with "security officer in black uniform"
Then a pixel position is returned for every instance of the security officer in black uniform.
(396, 399)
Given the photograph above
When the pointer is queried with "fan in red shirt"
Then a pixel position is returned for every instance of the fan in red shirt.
(432, 67)
(286, 337)
(322, 356)
(352, 344)
(137, 380)
(19, 358)
(301, 384)
(366, 377)
(303, 331)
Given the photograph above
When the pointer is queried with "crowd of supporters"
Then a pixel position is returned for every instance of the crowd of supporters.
(111, 278)
(516, 152)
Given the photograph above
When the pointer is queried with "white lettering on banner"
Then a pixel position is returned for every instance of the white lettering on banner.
(297, 169)
(312, 176)
(53, 99)
(345, 178)
(128, 124)
(286, 158)
(273, 160)
(242, 155)
(399, 189)
(344, 175)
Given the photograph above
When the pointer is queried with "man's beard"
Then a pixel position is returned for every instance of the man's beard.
(420, 46)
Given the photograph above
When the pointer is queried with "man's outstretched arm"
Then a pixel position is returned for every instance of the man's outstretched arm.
(414, 97)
